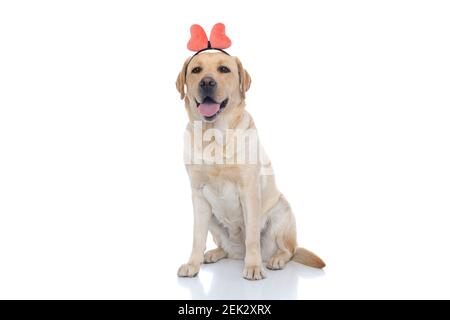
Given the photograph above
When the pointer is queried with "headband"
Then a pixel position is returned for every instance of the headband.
(199, 42)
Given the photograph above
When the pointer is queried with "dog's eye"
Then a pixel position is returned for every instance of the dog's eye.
(223, 69)
(197, 70)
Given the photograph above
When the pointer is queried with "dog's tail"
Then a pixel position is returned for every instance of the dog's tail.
(308, 258)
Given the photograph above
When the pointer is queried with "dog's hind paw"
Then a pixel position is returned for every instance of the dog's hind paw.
(215, 255)
(277, 262)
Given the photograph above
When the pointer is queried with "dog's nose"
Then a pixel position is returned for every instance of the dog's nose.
(207, 83)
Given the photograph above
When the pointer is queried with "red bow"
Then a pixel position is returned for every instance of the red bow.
(199, 41)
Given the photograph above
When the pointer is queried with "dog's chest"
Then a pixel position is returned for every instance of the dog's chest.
(223, 196)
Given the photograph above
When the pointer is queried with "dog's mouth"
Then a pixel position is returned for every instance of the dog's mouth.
(210, 109)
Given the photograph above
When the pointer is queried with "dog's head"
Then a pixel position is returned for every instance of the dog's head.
(215, 84)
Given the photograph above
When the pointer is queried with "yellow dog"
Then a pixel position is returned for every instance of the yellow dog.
(233, 198)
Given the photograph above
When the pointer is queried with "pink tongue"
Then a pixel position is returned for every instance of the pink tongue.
(208, 109)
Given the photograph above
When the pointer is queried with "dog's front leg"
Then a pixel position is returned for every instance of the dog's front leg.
(251, 204)
(202, 215)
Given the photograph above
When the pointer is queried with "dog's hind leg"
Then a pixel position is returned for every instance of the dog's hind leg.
(286, 244)
(284, 235)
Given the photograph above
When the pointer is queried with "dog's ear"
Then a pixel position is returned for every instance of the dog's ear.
(181, 80)
(244, 78)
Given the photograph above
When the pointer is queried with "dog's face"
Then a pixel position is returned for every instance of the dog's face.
(215, 84)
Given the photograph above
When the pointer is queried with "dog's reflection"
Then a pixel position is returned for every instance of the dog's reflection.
(223, 280)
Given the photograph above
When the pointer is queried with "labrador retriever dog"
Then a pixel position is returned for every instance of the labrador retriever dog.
(237, 201)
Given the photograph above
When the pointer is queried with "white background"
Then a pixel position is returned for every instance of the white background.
(352, 102)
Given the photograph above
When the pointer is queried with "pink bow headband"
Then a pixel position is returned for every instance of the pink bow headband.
(199, 42)
(217, 40)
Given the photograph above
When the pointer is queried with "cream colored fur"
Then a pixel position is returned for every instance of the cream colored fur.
(238, 203)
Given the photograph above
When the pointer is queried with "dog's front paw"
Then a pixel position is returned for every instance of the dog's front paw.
(253, 272)
(188, 270)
